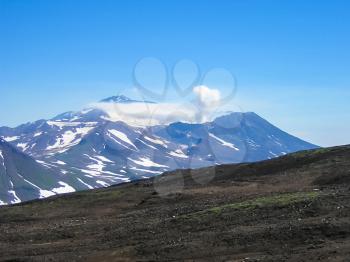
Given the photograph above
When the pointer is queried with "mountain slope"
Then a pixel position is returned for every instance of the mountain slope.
(22, 178)
(88, 147)
(292, 208)
(133, 152)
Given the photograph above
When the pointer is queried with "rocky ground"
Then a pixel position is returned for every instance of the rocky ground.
(294, 208)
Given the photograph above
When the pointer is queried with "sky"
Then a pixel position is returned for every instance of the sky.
(290, 59)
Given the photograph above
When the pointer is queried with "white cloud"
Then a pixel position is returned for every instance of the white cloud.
(148, 114)
(142, 114)
(207, 101)
(207, 97)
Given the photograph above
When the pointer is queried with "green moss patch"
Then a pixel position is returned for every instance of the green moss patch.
(313, 152)
(261, 202)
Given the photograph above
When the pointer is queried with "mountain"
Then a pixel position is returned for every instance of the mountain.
(87, 145)
(23, 178)
(94, 114)
(123, 100)
(292, 208)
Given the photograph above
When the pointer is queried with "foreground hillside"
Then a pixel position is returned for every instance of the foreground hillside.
(293, 208)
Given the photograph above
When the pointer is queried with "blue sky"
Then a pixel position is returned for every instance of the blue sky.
(291, 58)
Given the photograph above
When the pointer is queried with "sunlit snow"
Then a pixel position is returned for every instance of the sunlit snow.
(122, 137)
(223, 142)
(11, 138)
(156, 141)
(178, 153)
(65, 188)
(70, 138)
(81, 181)
(144, 161)
(16, 199)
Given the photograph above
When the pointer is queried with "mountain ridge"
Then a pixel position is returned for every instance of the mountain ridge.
(98, 152)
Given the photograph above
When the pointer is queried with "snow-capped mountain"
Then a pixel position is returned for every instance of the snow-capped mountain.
(91, 151)
(23, 178)
(123, 100)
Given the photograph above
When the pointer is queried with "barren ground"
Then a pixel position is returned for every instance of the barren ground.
(294, 208)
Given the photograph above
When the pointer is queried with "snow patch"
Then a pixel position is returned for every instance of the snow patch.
(16, 199)
(65, 188)
(45, 164)
(43, 193)
(223, 142)
(102, 183)
(70, 138)
(144, 161)
(98, 166)
(122, 137)
(37, 134)
(252, 143)
(90, 172)
(156, 141)
(178, 153)
(11, 138)
(81, 181)
(70, 124)
(60, 162)
(272, 153)
(143, 142)
(24, 146)
(104, 159)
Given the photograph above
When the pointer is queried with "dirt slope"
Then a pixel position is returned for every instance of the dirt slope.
(295, 208)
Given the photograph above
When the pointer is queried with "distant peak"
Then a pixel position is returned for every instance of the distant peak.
(117, 99)
(122, 99)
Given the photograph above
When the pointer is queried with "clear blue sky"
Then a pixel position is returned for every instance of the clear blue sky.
(291, 58)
